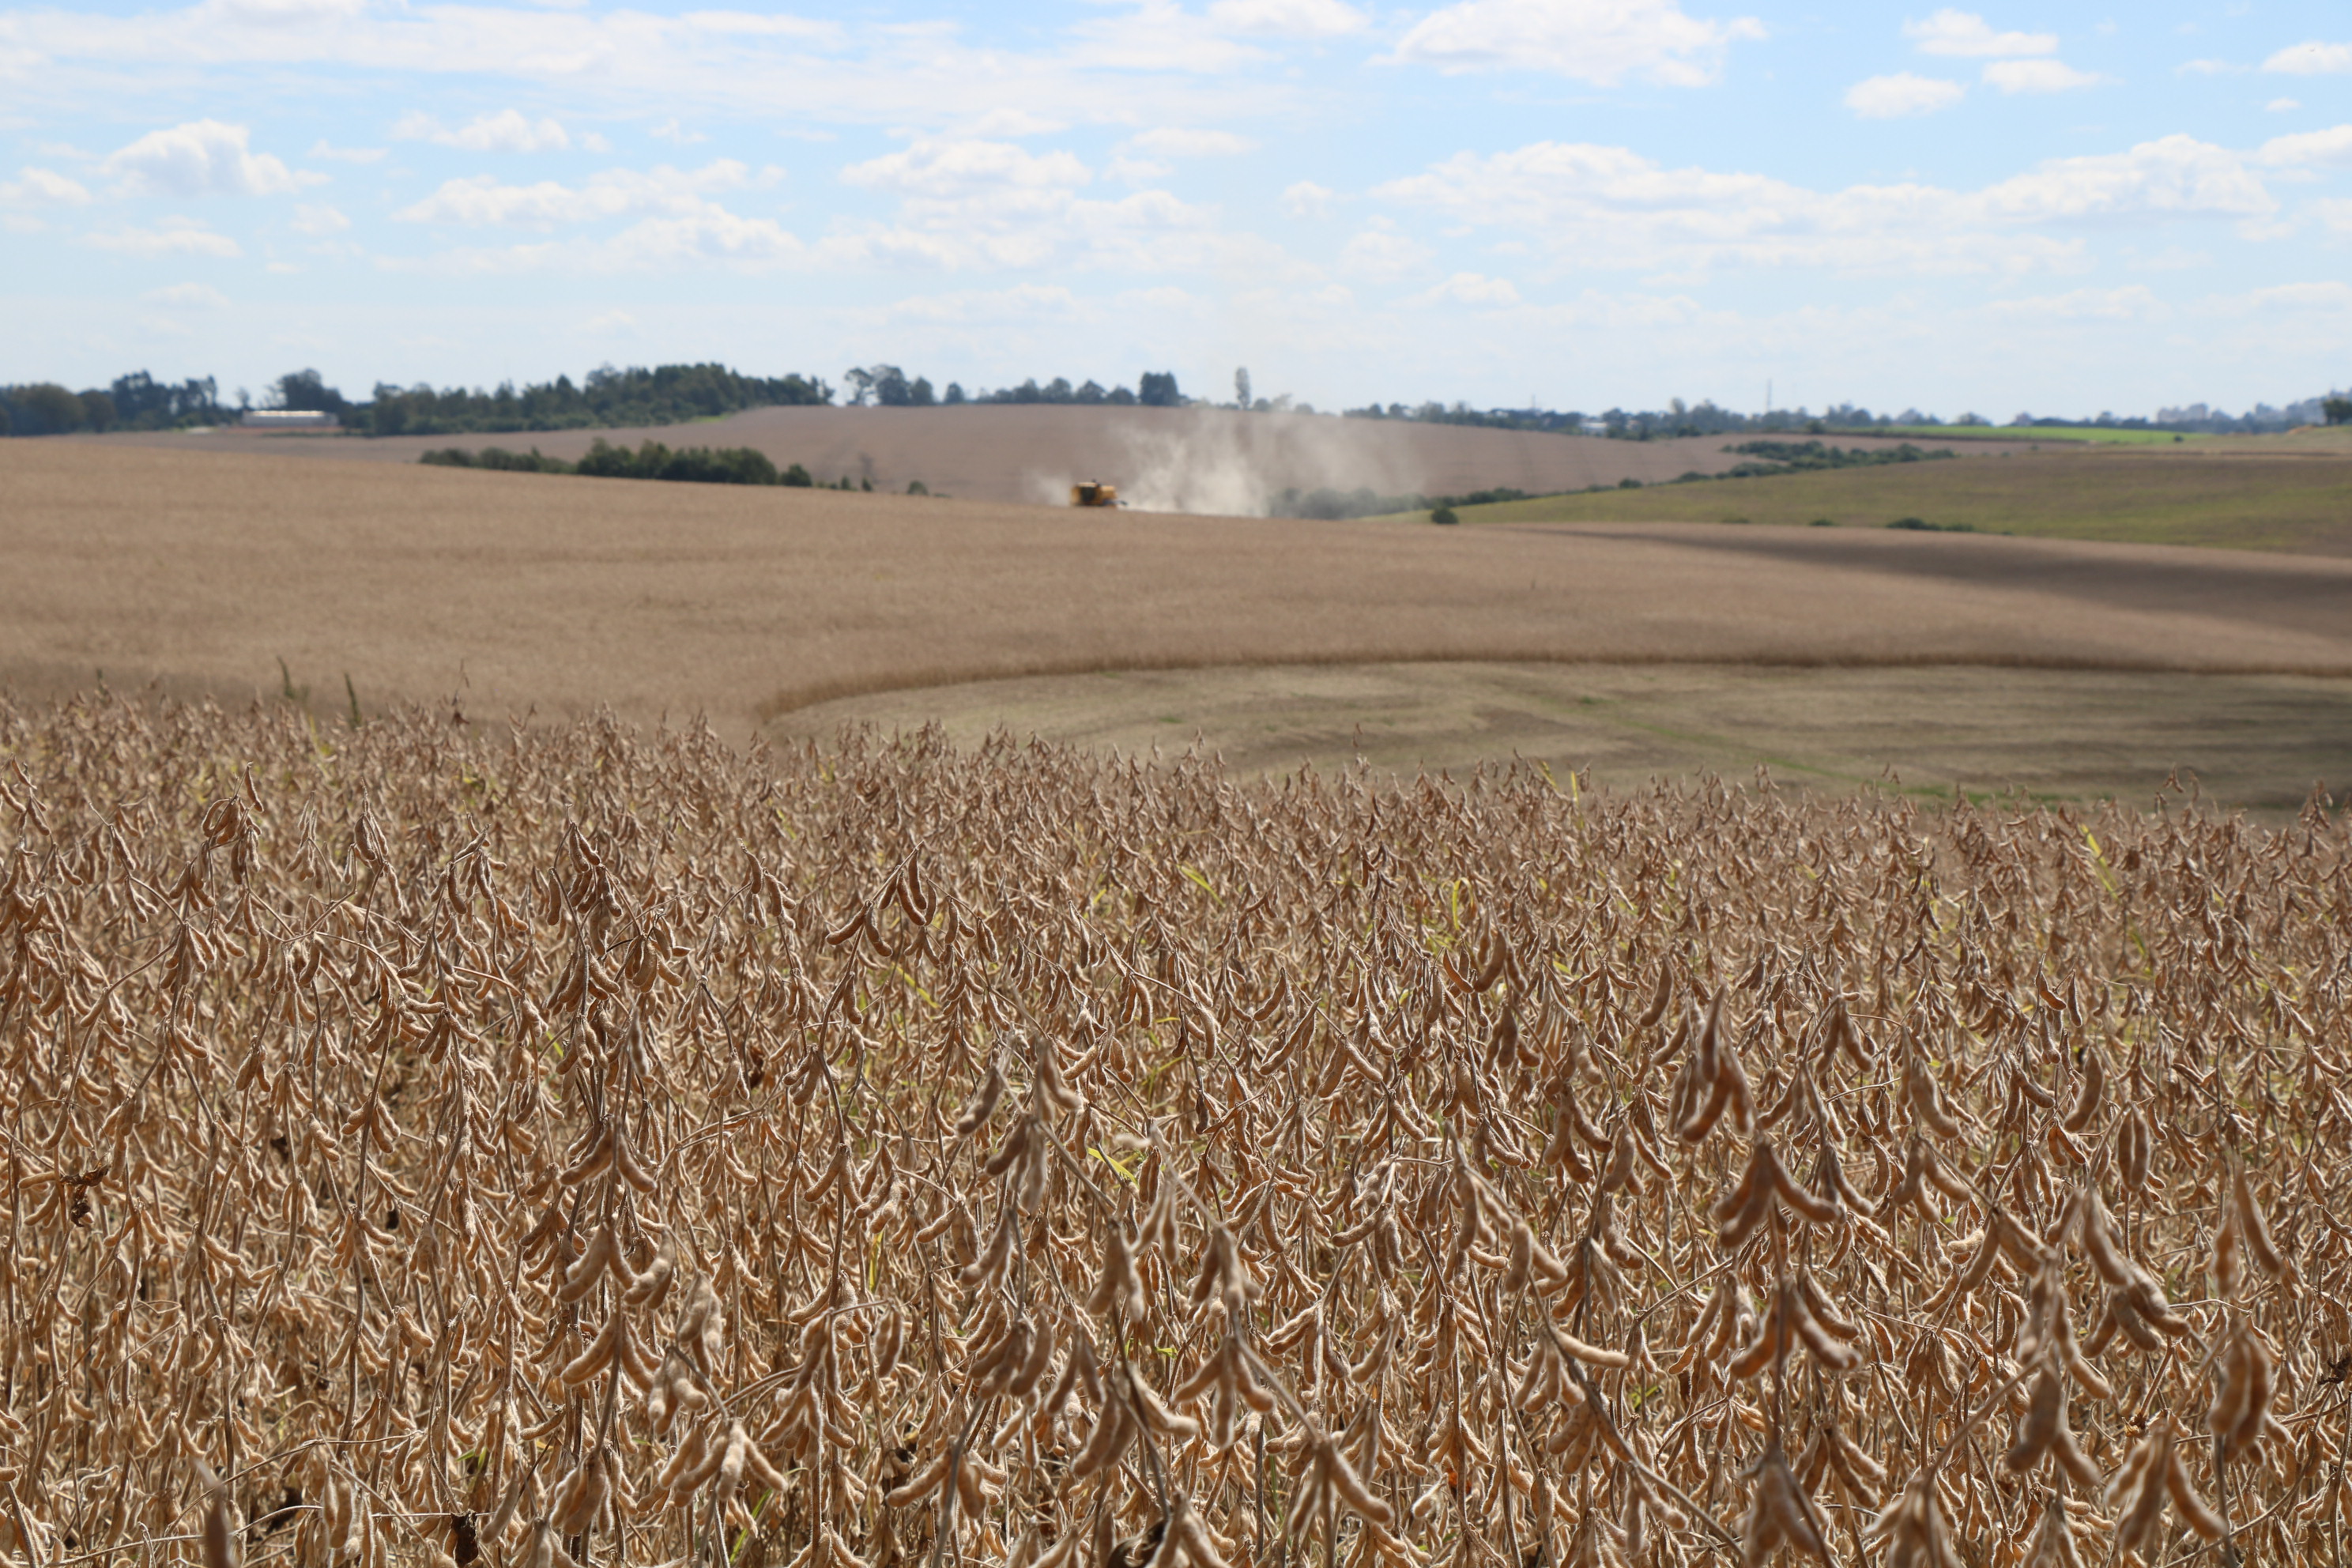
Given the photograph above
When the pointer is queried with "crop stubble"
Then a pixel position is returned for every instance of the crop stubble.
(572, 1146)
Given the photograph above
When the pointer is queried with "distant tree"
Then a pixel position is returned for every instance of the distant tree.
(1120, 397)
(143, 403)
(2336, 410)
(890, 387)
(97, 410)
(920, 393)
(1443, 515)
(6, 423)
(860, 384)
(304, 391)
(1057, 390)
(52, 409)
(1090, 393)
(1158, 390)
(1242, 387)
(954, 393)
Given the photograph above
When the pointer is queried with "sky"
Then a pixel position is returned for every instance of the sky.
(2037, 207)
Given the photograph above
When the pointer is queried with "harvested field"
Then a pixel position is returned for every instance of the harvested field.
(564, 1147)
(517, 591)
(1196, 459)
(2283, 493)
(2253, 742)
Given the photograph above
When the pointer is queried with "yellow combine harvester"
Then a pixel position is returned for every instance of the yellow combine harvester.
(1094, 492)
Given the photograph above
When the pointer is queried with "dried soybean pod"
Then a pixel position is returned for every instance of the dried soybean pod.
(2089, 1094)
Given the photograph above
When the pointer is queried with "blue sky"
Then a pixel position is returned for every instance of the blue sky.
(2054, 207)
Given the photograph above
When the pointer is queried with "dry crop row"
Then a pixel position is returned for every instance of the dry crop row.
(578, 1147)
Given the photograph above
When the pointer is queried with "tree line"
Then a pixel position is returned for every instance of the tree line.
(137, 402)
(675, 394)
(651, 460)
(887, 386)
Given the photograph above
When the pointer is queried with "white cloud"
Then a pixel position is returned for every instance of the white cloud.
(188, 297)
(483, 199)
(41, 187)
(1129, 171)
(1021, 304)
(670, 131)
(2133, 302)
(1955, 32)
(2282, 105)
(1598, 205)
(955, 170)
(749, 24)
(1159, 36)
(1185, 142)
(1124, 63)
(612, 323)
(1007, 121)
(707, 234)
(2171, 259)
(506, 131)
(2331, 296)
(2313, 58)
(2037, 76)
(173, 237)
(2307, 148)
(2334, 214)
(203, 157)
(1597, 41)
(1470, 289)
(1307, 199)
(2174, 175)
(1287, 18)
(282, 13)
(1894, 97)
(319, 222)
(347, 154)
(1380, 254)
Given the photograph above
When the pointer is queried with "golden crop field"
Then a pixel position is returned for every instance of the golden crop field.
(439, 1143)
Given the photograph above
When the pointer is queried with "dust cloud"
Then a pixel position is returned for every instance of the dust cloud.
(1226, 467)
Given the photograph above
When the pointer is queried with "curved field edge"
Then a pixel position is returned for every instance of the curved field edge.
(1934, 732)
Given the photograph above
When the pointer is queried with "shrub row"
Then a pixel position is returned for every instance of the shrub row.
(653, 460)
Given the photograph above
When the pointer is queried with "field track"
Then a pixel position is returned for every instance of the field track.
(526, 590)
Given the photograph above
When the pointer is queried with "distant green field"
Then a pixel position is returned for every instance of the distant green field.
(2294, 502)
(2095, 434)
